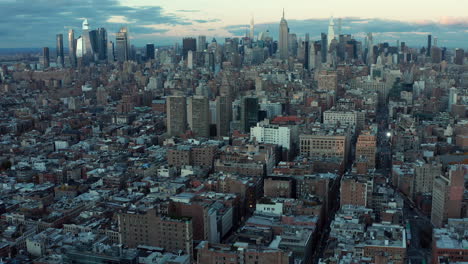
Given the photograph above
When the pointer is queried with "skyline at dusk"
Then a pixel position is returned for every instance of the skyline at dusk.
(233, 132)
(28, 24)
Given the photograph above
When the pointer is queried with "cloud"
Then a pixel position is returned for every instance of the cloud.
(34, 23)
(360, 22)
(119, 20)
(450, 21)
(187, 10)
(206, 20)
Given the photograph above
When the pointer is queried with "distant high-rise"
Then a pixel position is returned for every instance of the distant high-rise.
(306, 52)
(199, 116)
(72, 47)
(370, 49)
(102, 44)
(331, 31)
(122, 45)
(188, 44)
(293, 44)
(150, 51)
(324, 47)
(339, 26)
(459, 56)
(436, 54)
(283, 41)
(249, 113)
(93, 38)
(110, 52)
(190, 59)
(429, 45)
(252, 29)
(223, 115)
(312, 57)
(176, 115)
(60, 59)
(79, 48)
(86, 46)
(201, 44)
(45, 57)
(453, 98)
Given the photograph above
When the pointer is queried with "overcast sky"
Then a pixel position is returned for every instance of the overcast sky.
(34, 23)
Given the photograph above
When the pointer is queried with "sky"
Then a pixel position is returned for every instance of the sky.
(34, 23)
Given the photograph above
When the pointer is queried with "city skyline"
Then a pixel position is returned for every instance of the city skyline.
(35, 25)
(233, 132)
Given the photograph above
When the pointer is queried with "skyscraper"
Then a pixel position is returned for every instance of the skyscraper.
(199, 115)
(102, 44)
(453, 98)
(188, 44)
(312, 57)
(72, 47)
(252, 30)
(459, 56)
(331, 31)
(122, 45)
(45, 57)
(306, 52)
(150, 51)
(93, 38)
(190, 59)
(283, 42)
(201, 44)
(223, 115)
(324, 47)
(429, 45)
(370, 49)
(249, 113)
(60, 59)
(339, 26)
(176, 108)
(86, 46)
(110, 52)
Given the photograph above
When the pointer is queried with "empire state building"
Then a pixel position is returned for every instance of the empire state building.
(283, 43)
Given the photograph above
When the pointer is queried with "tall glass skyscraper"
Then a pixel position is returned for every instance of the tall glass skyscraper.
(60, 59)
(429, 45)
(331, 31)
(201, 44)
(110, 52)
(149, 51)
(324, 47)
(45, 57)
(188, 44)
(102, 43)
(87, 48)
(72, 47)
(122, 45)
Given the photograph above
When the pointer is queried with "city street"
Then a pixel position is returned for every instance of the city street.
(417, 223)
